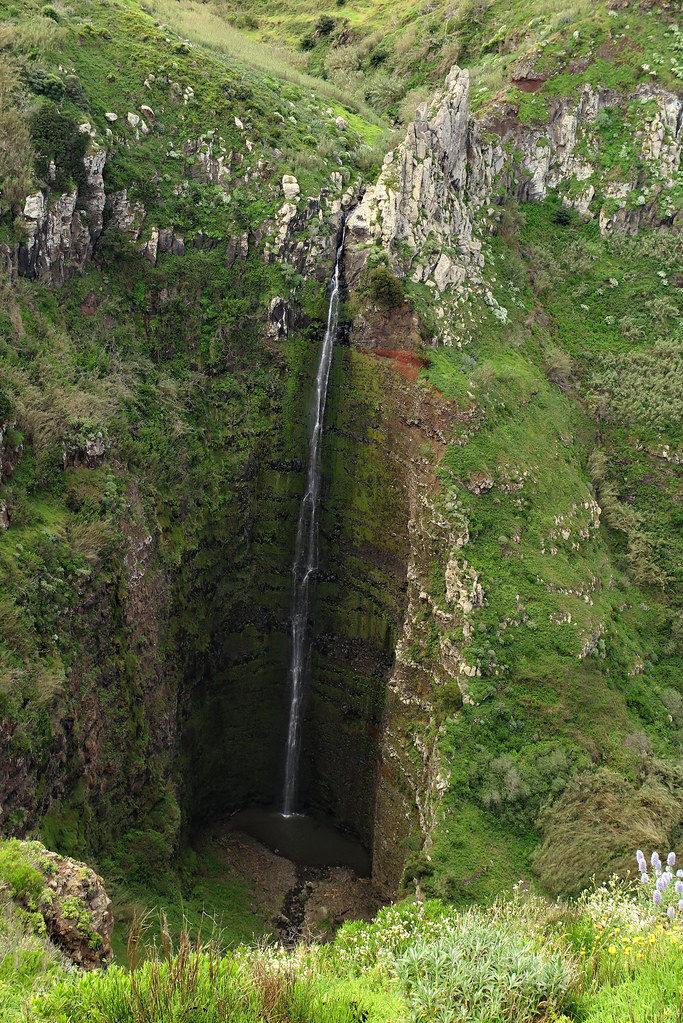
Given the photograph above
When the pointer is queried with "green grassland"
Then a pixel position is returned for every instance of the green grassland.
(393, 54)
(578, 642)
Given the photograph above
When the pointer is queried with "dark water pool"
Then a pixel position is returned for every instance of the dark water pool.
(302, 839)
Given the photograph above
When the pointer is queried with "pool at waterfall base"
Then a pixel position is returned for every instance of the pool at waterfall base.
(303, 839)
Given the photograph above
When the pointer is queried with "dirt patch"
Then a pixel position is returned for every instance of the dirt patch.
(408, 364)
(528, 84)
(308, 903)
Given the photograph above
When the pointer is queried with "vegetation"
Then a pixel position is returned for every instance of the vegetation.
(579, 620)
(386, 54)
(612, 954)
(151, 452)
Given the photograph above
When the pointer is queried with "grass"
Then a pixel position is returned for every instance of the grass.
(202, 25)
(572, 608)
(199, 892)
(607, 956)
(409, 45)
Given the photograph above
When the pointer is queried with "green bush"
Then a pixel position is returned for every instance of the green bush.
(56, 137)
(484, 969)
(324, 25)
(18, 875)
(74, 90)
(384, 288)
(6, 407)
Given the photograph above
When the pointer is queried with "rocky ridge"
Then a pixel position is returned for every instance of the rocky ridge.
(435, 198)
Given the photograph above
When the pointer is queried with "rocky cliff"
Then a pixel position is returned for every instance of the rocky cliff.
(431, 206)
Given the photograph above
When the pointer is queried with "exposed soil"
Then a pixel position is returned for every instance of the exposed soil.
(302, 902)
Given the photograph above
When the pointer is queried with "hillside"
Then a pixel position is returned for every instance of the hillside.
(494, 633)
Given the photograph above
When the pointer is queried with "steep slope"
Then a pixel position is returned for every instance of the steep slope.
(497, 656)
(159, 332)
(552, 615)
(394, 55)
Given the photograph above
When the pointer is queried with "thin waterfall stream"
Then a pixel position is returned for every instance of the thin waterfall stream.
(305, 563)
(297, 836)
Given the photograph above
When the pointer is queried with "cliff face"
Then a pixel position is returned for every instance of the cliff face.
(429, 206)
(155, 436)
(430, 216)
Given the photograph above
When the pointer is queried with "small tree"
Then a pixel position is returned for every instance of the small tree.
(385, 289)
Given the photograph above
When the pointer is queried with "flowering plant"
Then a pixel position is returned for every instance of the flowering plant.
(661, 887)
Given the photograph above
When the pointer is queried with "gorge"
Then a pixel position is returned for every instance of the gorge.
(340, 394)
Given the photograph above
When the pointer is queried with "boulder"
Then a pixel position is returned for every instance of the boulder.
(290, 186)
(34, 207)
(279, 318)
(62, 897)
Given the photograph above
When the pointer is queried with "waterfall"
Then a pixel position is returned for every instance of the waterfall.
(305, 563)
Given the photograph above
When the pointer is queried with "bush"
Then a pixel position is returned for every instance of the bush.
(562, 216)
(487, 969)
(324, 25)
(74, 90)
(383, 90)
(385, 289)
(6, 407)
(559, 367)
(56, 137)
(474, 967)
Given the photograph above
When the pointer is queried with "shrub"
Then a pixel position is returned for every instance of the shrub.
(559, 366)
(562, 216)
(74, 90)
(324, 25)
(474, 966)
(18, 874)
(484, 968)
(385, 289)
(6, 407)
(383, 90)
(56, 137)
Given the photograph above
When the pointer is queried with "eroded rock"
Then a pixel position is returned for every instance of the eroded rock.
(65, 897)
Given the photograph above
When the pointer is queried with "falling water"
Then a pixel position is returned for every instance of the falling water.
(306, 550)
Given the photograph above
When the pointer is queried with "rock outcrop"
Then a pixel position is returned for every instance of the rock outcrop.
(429, 206)
(62, 896)
(61, 235)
